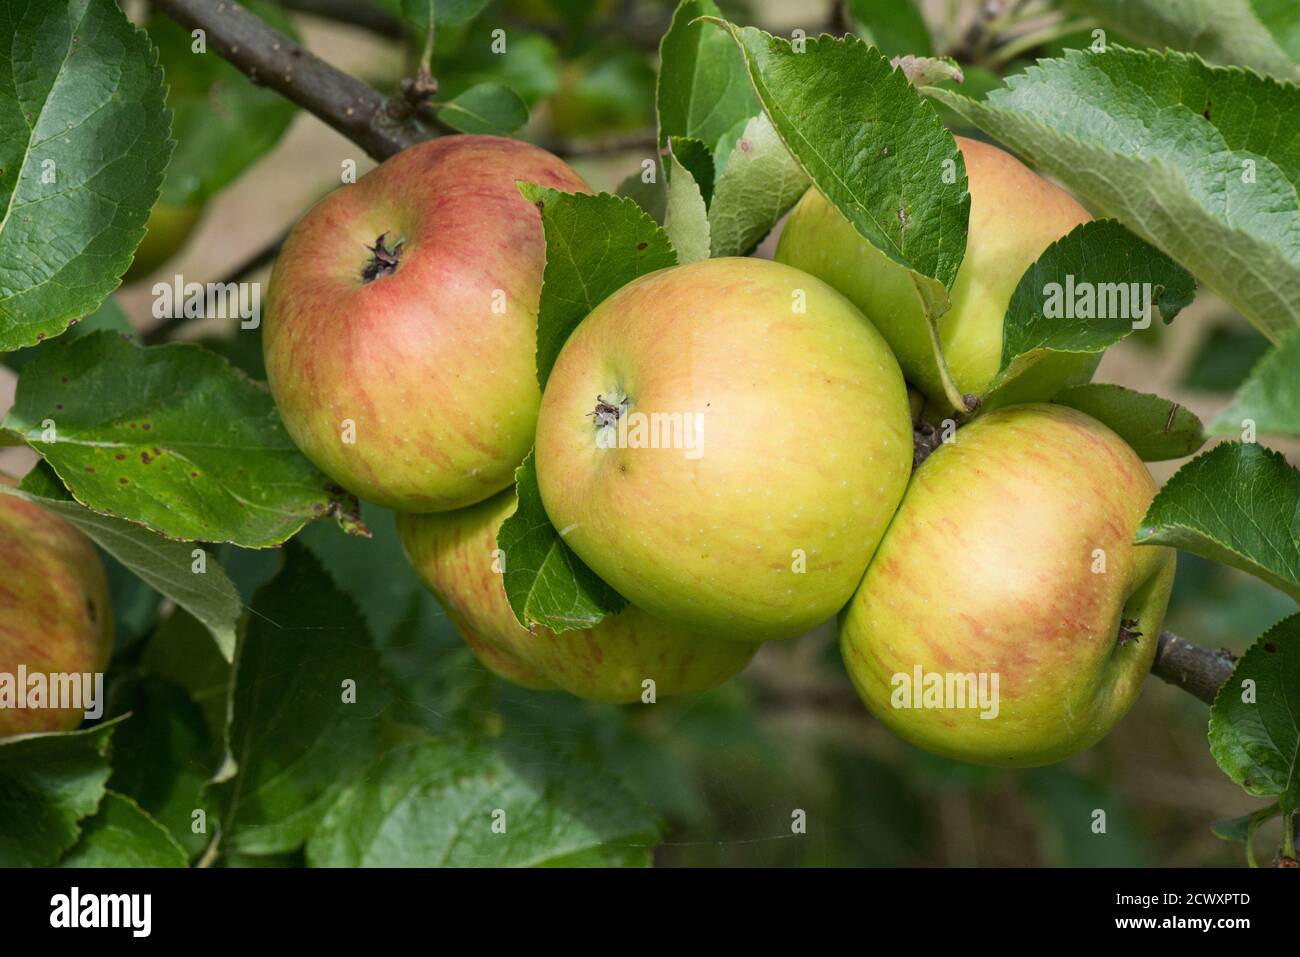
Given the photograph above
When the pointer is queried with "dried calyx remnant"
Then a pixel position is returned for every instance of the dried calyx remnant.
(607, 412)
(383, 260)
(926, 437)
(1128, 631)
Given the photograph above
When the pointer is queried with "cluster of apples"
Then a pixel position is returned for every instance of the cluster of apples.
(729, 445)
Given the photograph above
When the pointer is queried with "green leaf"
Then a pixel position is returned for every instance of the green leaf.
(529, 65)
(49, 783)
(1270, 398)
(293, 738)
(891, 170)
(176, 655)
(594, 246)
(446, 13)
(726, 147)
(166, 566)
(758, 185)
(895, 27)
(1254, 734)
(923, 71)
(1243, 828)
(83, 146)
(1087, 291)
(1156, 428)
(1282, 19)
(1190, 157)
(109, 317)
(650, 195)
(1238, 504)
(977, 81)
(373, 570)
(1240, 828)
(883, 171)
(122, 834)
(1224, 358)
(545, 582)
(686, 220)
(436, 679)
(703, 90)
(433, 803)
(1228, 32)
(164, 754)
(171, 437)
(697, 158)
(489, 108)
(222, 122)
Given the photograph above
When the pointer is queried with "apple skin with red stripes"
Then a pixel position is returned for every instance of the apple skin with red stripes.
(400, 323)
(1012, 556)
(757, 522)
(55, 613)
(455, 554)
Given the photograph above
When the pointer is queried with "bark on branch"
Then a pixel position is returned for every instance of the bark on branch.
(269, 58)
(1196, 670)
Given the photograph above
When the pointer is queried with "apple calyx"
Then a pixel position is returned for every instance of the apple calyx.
(383, 261)
(1127, 631)
(925, 439)
(607, 413)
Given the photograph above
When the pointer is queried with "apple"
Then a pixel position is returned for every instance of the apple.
(167, 230)
(55, 614)
(724, 443)
(400, 324)
(1015, 215)
(1011, 559)
(455, 555)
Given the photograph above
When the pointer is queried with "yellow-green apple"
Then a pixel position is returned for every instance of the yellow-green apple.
(400, 327)
(1015, 215)
(169, 226)
(724, 443)
(1009, 576)
(455, 555)
(55, 616)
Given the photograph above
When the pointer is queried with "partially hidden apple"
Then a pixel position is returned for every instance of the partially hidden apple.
(724, 443)
(455, 555)
(400, 327)
(1007, 617)
(55, 615)
(168, 229)
(1015, 214)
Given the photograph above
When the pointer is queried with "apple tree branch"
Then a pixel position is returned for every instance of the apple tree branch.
(380, 125)
(1196, 670)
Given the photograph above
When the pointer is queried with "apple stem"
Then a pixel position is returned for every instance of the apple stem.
(1198, 671)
